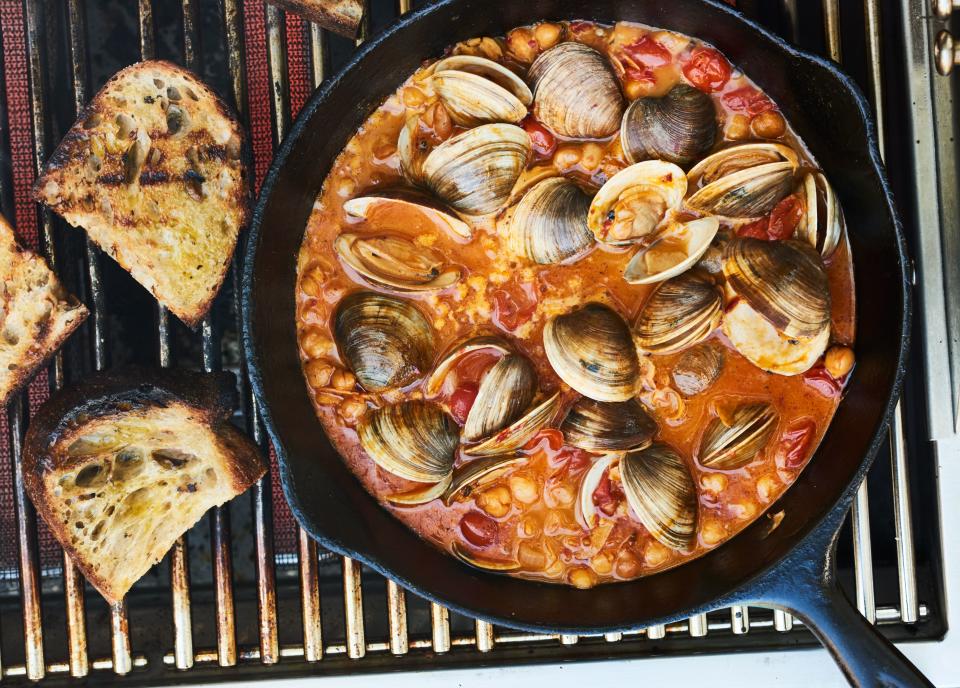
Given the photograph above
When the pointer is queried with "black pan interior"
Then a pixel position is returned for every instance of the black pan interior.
(828, 113)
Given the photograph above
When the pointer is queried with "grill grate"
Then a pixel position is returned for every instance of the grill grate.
(219, 599)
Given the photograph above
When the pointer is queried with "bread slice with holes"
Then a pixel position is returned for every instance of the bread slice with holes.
(154, 171)
(36, 313)
(123, 464)
(340, 16)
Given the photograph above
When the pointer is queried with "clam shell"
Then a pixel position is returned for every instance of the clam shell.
(784, 281)
(680, 127)
(408, 200)
(662, 494)
(822, 223)
(386, 341)
(684, 242)
(605, 426)
(518, 433)
(681, 312)
(697, 369)
(421, 495)
(592, 350)
(549, 225)
(476, 90)
(506, 391)
(475, 170)
(414, 440)
(589, 484)
(468, 557)
(743, 182)
(727, 447)
(411, 158)
(759, 342)
(576, 93)
(395, 262)
(646, 190)
(478, 472)
(435, 382)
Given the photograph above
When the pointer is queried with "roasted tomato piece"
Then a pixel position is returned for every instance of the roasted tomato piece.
(648, 52)
(461, 401)
(607, 495)
(785, 217)
(548, 439)
(821, 380)
(707, 70)
(795, 443)
(749, 100)
(543, 142)
(478, 529)
(754, 230)
(513, 306)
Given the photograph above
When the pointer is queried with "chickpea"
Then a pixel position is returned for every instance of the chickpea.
(531, 556)
(324, 399)
(768, 125)
(743, 510)
(553, 523)
(591, 155)
(766, 488)
(738, 128)
(582, 578)
(315, 344)
(560, 495)
(637, 88)
(529, 526)
(839, 360)
(490, 48)
(714, 482)
(346, 187)
(547, 35)
(351, 410)
(495, 501)
(602, 563)
(655, 554)
(524, 489)
(311, 283)
(712, 533)
(343, 380)
(554, 569)
(521, 44)
(566, 157)
(627, 566)
(413, 97)
(318, 373)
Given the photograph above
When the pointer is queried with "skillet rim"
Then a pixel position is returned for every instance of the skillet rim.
(818, 532)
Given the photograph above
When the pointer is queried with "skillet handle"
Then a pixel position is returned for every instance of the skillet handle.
(866, 657)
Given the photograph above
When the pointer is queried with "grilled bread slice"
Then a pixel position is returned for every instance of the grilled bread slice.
(341, 16)
(123, 464)
(153, 170)
(36, 313)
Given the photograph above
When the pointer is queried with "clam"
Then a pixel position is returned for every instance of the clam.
(468, 557)
(822, 221)
(589, 484)
(697, 369)
(549, 225)
(400, 202)
(662, 494)
(681, 312)
(743, 182)
(506, 391)
(435, 382)
(633, 202)
(421, 495)
(414, 440)
(386, 341)
(475, 170)
(478, 472)
(676, 249)
(518, 433)
(396, 262)
(608, 426)
(476, 90)
(591, 349)
(575, 92)
(784, 281)
(680, 127)
(760, 343)
(733, 440)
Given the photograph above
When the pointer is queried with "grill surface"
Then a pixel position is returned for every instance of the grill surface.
(247, 590)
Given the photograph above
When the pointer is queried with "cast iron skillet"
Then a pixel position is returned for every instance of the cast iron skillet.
(789, 565)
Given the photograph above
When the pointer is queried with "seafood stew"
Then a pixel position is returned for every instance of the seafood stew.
(577, 329)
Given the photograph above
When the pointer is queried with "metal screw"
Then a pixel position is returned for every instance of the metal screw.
(946, 53)
(943, 8)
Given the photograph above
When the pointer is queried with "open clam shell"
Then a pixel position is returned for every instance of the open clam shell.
(422, 495)
(476, 90)
(476, 170)
(518, 433)
(479, 472)
(759, 342)
(633, 202)
(396, 262)
(435, 382)
(681, 312)
(676, 249)
(386, 341)
(402, 200)
(414, 440)
(605, 426)
(662, 494)
(784, 281)
(680, 127)
(744, 181)
(485, 563)
(549, 225)
(822, 223)
(592, 350)
(589, 484)
(576, 93)
(506, 391)
(732, 442)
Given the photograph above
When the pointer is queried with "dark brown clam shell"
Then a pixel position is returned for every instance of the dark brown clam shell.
(662, 494)
(608, 426)
(680, 127)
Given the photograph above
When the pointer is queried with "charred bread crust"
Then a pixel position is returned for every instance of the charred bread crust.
(88, 199)
(340, 16)
(204, 399)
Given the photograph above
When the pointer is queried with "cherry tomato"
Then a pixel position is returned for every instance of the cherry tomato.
(543, 142)
(795, 442)
(547, 439)
(461, 401)
(785, 217)
(644, 74)
(754, 230)
(512, 308)
(749, 100)
(822, 381)
(579, 26)
(707, 70)
(607, 495)
(478, 529)
(648, 52)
